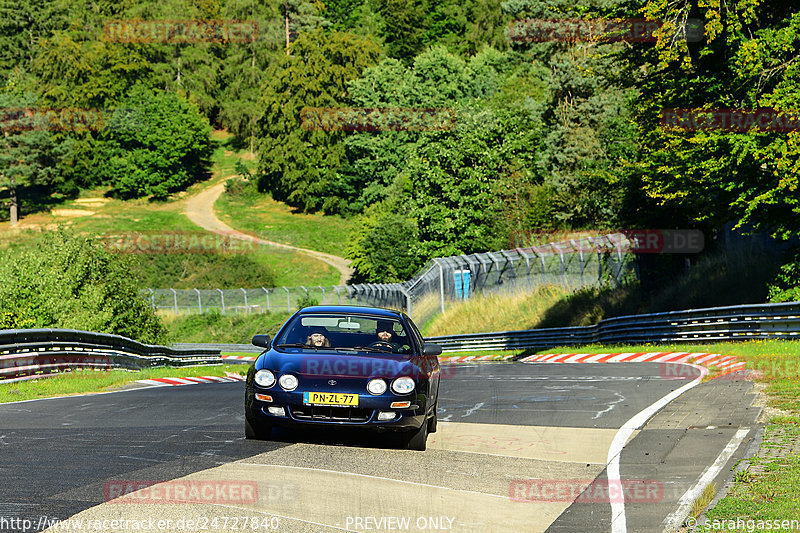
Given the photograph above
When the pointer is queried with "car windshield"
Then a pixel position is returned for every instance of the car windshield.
(345, 332)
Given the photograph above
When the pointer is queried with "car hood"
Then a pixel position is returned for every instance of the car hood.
(327, 365)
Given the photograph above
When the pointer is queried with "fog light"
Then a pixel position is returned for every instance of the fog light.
(400, 405)
(264, 397)
(385, 415)
(276, 411)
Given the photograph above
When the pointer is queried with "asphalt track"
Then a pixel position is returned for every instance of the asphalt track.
(501, 426)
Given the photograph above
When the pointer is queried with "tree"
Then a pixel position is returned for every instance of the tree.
(297, 164)
(156, 143)
(27, 153)
(60, 280)
(747, 60)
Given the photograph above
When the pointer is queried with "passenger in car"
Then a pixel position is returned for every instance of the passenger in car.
(318, 338)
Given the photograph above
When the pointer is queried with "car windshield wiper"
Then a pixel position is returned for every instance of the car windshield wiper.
(296, 345)
(372, 349)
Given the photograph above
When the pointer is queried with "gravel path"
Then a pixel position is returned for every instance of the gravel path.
(200, 210)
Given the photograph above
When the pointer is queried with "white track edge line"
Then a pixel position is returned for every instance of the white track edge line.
(675, 518)
(618, 522)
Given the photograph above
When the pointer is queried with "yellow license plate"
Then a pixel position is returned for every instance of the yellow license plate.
(329, 398)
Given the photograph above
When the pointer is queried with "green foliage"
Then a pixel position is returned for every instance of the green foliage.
(241, 189)
(216, 327)
(382, 245)
(202, 271)
(786, 285)
(27, 157)
(157, 143)
(307, 301)
(747, 61)
(63, 281)
(296, 164)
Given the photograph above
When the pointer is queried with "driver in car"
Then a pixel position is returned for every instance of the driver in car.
(385, 335)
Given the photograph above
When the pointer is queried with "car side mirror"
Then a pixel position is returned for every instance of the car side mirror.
(431, 349)
(261, 340)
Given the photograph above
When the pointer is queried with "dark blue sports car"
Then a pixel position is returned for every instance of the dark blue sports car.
(345, 366)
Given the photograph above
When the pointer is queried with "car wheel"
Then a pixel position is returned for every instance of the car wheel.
(417, 440)
(434, 419)
(257, 431)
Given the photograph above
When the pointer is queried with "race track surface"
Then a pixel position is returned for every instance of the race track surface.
(516, 445)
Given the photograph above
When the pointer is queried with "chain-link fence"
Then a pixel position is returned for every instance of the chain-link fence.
(590, 261)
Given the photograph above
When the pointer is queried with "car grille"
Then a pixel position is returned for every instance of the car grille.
(324, 413)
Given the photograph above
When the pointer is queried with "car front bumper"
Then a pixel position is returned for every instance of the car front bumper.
(297, 414)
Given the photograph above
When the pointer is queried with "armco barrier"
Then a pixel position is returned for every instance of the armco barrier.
(735, 323)
(34, 353)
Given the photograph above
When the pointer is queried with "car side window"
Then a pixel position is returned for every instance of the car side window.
(417, 335)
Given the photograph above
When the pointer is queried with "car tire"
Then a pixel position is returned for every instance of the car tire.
(432, 421)
(417, 439)
(257, 431)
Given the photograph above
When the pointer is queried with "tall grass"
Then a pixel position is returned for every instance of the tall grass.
(718, 279)
(214, 327)
(496, 312)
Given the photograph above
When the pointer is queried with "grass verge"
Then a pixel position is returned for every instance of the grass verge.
(86, 381)
(214, 327)
(273, 221)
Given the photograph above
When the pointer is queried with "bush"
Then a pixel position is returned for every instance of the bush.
(307, 301)
(786, 285)
(63, 281)
(242, 188)
(157, 143)
(203, 271)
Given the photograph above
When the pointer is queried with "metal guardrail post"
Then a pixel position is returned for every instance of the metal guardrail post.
(323, 293)
(222, 299)
(152, 298)
(246, 308)
(338, 294)
(267, 293)
(288, 302)
(174, 301)
(199, 302)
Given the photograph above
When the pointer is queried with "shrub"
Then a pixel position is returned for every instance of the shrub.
(64, 281)
(157, 143)
(786, 285)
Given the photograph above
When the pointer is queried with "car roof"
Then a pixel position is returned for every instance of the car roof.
(352, 309)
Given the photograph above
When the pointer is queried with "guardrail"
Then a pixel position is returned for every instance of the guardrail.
(34, 353)
(734, 323)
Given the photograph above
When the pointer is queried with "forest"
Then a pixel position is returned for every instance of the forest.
(480, 127)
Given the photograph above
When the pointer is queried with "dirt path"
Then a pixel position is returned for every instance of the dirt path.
(200, 210)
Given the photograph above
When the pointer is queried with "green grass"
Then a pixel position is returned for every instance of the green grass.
(773, 494)
(86, 381)
(216, 328)
(109, 218)
(493, 312)
(277, 222)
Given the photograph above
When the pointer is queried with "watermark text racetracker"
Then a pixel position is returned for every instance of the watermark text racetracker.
(176, 242)
(181, 31)
(374, 119)
(730, 120)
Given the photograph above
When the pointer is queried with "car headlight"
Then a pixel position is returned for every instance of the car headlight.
(288, 382)
(403, 385)
(376, 386)
(265, 378)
